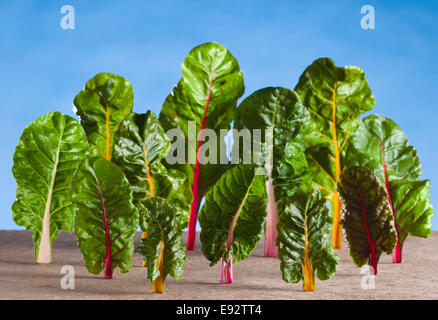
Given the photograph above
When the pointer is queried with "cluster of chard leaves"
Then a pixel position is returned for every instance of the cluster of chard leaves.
(100, 176)
(111, 172)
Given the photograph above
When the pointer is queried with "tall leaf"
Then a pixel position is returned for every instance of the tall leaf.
(335, 98)
(46, 157)
(162, 249)
(304, 240)
(282, 118)
(106, 219)
(102, 105)
(140, 147)
(366, 216)
(381, 145)
(233, 218)
(206, 96)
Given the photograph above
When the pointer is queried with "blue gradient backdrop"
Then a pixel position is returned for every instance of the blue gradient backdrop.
(42, 66)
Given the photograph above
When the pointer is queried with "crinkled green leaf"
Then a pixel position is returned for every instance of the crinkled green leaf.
(335, 98)
(380, 144)
(47, 155)
(102, 105)
(207, 94)
(280, 117)
(162, 224)
(106, 218)
(140, 147)
(366, 216)
(303, 240)
(233, 216)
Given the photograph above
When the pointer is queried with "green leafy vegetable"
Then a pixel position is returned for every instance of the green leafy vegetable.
(381, 145)
(304, 240)
(162, 249)
(106, 219)
(335, 98)
(139, 149)
(282, 118)
(233, 217)
(48, 153)
(207, 96)
(366, 216)
(102, 105)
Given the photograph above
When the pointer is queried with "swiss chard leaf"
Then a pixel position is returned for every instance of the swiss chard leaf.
(335, 98)
(162, 249)
(366, 216)
(232, 218)
(303, 240)
(139, 149)
(380, 144)
(106, 218)
(282, 119)
(207, 95)
(102, 105)
(47, 155)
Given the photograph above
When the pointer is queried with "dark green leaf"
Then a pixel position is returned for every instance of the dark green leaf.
(162, 249)
(282, 119)
(366, 216)
(303, 240)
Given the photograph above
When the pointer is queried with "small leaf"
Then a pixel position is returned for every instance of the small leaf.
(303, 240)
(162, 249)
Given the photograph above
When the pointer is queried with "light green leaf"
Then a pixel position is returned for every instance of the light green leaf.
(106, 218)
(102, 105)
(207, 96)
(233, 216)
(380, 144)
(335, 98)
(48, 153)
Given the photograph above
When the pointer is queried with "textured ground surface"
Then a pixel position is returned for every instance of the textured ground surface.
(255, 278)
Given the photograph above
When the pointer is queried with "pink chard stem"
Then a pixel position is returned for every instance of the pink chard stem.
(227, 275)
(271, 233)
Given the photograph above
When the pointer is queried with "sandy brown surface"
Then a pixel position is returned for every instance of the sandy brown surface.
(255, 278)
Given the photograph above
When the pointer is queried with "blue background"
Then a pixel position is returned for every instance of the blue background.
(43, 67)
